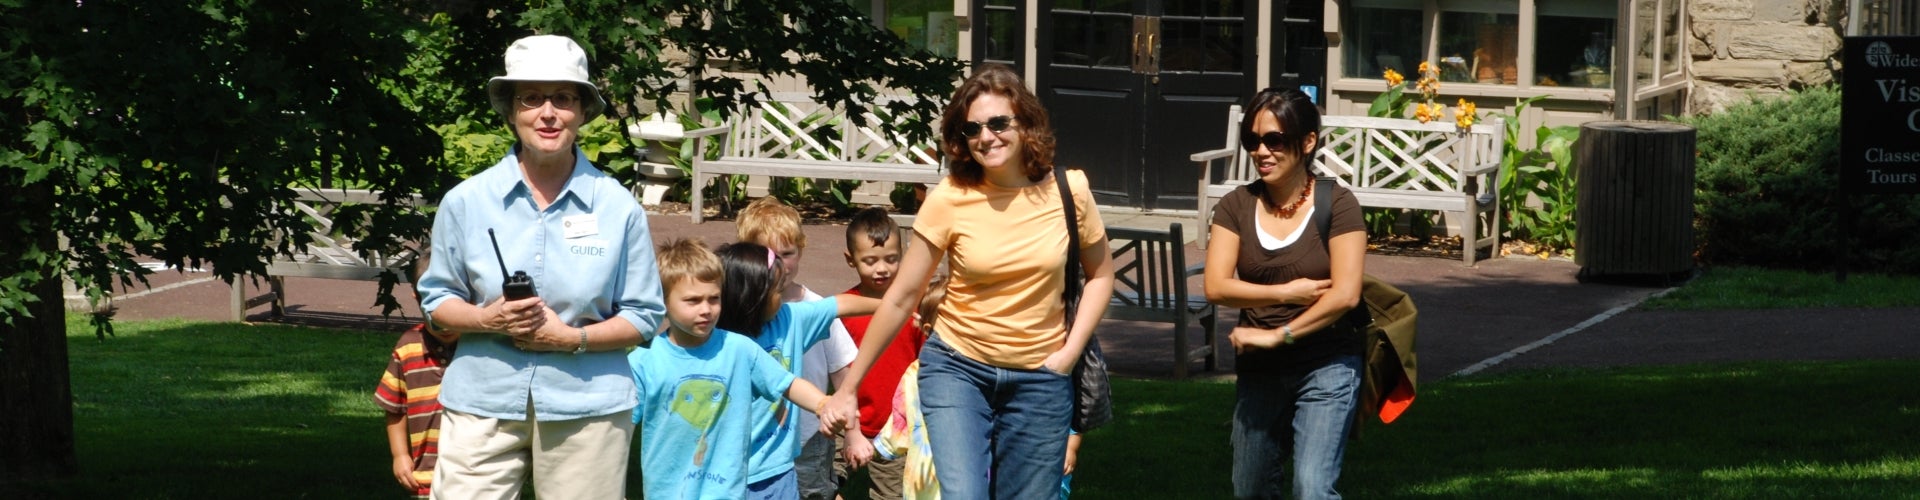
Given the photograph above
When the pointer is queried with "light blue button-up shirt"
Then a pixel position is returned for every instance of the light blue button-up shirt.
(591, 258)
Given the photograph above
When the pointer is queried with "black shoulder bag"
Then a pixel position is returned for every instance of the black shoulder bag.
(1092, 396)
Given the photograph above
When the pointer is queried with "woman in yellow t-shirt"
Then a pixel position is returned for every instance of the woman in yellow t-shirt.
(993, 374)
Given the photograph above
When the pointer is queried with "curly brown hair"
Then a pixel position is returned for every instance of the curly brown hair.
(1036, 130)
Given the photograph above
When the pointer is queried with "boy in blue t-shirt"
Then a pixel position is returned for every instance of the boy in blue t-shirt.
(696, 386)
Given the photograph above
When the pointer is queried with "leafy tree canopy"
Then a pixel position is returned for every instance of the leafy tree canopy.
(180, 129)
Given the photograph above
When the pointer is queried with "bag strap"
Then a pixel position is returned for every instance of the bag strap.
(1323, 207)
(1072, 294)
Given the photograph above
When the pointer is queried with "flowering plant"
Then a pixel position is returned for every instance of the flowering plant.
(1394, 103)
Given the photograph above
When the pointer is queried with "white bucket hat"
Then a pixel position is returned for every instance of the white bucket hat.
(545, 58)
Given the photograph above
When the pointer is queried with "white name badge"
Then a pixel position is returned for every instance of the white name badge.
(580, 225)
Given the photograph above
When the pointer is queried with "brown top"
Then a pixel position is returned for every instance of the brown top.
(1305, 257)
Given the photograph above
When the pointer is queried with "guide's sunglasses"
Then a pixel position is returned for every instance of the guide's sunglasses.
(997, 124)
(560, 101)
(1273, 140)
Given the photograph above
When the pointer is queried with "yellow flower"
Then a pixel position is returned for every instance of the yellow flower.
(1465, 117)
(1394, 78)
(1427, 67)
(1428, 85)
(1428, 112)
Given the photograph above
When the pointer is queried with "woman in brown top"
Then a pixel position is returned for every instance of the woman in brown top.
(1298, 364)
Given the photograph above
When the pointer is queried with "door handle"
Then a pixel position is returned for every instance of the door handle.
(1153, 54)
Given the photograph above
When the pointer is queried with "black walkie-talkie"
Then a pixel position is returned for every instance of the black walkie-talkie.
(518, 285)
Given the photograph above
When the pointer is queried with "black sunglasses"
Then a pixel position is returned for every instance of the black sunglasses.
(1273, 140)
(997, 124)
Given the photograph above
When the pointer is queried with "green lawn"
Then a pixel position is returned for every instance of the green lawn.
(198, 410)
(1759, 288)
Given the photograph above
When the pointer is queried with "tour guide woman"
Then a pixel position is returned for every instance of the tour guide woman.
(1298, 365)
(541, 385)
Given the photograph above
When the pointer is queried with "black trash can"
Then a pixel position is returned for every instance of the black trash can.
(1634, 200)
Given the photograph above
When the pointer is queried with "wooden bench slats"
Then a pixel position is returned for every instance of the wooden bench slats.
(333, 271)
(780, 167)
(1376, 197)
(329, 255)
(790, 135)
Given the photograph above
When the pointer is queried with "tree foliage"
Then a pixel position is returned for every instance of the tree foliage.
(181, 130)
(178, 129)
(829, 44)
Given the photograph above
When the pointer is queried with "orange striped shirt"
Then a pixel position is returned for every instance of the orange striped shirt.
(411, 386)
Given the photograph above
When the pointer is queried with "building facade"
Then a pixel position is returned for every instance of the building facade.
(1135, 86)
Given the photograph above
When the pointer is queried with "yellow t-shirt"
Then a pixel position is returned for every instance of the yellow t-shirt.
(1006, 260)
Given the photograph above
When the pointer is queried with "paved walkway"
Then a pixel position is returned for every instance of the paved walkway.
(1502, 314)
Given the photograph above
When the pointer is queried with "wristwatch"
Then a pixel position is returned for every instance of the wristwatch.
(1286, 334)
(582, 349)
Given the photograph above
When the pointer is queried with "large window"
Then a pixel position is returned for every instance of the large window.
(1096, 33)
(1203, 37)
(1580, 51)
(924, 24)
(999, 33)
(1388, 37)
(1478, 41)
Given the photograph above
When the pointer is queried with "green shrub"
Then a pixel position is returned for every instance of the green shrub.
(1768, 188)
(1536, 188)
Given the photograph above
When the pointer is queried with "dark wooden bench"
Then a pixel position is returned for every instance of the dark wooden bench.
(1150, 284)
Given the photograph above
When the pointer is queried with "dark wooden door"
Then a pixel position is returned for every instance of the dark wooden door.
(1135, 86)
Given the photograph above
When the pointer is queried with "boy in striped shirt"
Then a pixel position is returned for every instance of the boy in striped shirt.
(409, 391)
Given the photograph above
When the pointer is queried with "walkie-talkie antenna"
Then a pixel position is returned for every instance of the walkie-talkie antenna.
(496, 253)
(514, 286)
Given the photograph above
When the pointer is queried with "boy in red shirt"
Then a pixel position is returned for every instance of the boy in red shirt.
(874, 248)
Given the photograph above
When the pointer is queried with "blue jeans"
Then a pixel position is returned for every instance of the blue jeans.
(785, 486)
(995, 432)
(1309, 412)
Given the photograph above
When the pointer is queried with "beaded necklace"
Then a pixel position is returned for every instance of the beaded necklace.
(1287, 212)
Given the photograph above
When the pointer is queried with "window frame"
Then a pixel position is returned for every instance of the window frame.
(1669, 79)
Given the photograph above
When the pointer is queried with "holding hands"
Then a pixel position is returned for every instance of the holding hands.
(859, 449)
(838, 411)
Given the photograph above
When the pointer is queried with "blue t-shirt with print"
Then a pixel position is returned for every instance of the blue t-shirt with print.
(792, 331)
(694, 416)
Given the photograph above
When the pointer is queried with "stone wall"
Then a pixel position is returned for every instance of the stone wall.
(1747, 48)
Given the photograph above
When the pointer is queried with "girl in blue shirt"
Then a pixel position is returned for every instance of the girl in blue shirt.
(751, 304)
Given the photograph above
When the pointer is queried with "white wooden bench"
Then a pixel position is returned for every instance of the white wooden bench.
(331, 255)
(790, 135)
(1388, 163)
